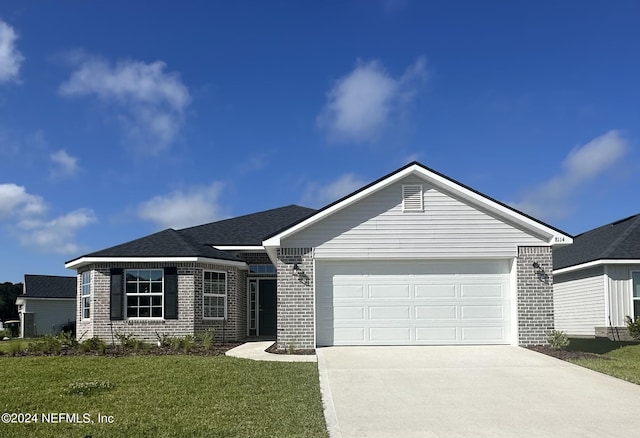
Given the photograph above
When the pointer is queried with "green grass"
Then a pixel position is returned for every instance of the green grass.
(163, 396)
(618, 359)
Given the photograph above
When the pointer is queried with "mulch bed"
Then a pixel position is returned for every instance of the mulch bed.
(117, 351)
(564, 354)
(275, 350)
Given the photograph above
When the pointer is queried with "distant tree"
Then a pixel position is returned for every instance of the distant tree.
(8, 294)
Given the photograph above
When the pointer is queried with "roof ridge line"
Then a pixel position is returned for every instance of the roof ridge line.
(630, 229)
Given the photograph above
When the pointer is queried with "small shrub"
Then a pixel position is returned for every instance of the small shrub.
(67, 340)
(187, 343)
(47, 344)
(164, 340)
(633, 327)
(88, 388)
(207, 339)
(14, 348)
(291, 348)
(127, 342)
(558, 340)
(6, 333)
(94, 344)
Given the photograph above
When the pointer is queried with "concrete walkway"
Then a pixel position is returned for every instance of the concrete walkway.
(486, 391)
(256, 351)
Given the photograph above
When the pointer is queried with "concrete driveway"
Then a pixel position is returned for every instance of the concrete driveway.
(485, 391)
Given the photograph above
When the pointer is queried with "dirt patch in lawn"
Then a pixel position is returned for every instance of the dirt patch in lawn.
(564, 354)
(275, 350)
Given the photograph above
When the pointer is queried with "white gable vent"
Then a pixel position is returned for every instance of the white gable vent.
(412, 199)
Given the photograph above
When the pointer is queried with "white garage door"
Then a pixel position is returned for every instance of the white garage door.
(405, 303)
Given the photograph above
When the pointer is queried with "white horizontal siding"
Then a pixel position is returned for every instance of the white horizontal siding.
(620, 292)
(578, 300)
(377, 227)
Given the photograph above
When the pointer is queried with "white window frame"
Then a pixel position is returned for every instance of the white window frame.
(633, 297)
(205, 295)
(143, 294)
(405, 196)
(85, 296)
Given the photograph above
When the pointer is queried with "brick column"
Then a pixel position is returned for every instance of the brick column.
(535, 295)
(295, 299)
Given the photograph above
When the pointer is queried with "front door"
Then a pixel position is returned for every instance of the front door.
(262, 307)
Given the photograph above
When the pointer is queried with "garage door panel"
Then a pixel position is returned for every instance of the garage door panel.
(349, 313)
(483, 334)
(389, 291)
(350, 335)
(432, 335)
(481, 290)
(389, 312)
(365, 303)
(482, 312)
(435, 290)
(348, 291)
(430, 313)
(390, 334)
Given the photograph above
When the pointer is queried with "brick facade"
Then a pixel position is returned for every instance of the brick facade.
(295, 299)
(190, 305)
(535, 295)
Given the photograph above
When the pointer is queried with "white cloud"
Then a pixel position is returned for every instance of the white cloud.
(362, 104)
(10, 57)
(149, 102)
(56, 235)
(64, 165)
(583, 165)
(15, 201)
(319, 196)
(25, 215)
(183, 208)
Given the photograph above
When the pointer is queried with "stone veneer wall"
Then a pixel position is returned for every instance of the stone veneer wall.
(295, 299)
(190, 302)
(535, 295)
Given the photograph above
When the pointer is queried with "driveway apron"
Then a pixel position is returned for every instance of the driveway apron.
(470, 391)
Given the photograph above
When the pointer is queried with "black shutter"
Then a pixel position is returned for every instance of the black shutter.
(116, 303)
(170, 293)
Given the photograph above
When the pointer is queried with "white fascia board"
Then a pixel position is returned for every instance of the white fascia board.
(44, 299)
(82, 261)
(239, 248)
(596, 263)
(554, 237)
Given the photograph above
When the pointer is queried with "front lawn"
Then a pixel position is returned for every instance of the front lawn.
(617, 359)
(160, 396)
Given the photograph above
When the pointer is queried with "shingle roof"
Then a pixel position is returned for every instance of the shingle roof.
(248, 230)
(49, 286)
(167, 243)
(618, 240)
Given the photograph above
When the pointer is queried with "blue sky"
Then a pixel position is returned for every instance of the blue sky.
(119, 119)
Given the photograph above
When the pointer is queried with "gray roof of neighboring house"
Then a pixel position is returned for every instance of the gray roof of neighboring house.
(618, 240)
(248, 230)
(49, 286)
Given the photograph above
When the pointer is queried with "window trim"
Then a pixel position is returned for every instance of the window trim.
(126, 295)
(633, 297)
(85, 296)
(224, 296)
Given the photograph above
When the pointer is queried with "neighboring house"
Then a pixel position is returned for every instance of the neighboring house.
(412, 258)
(46, 305)
(597, 280)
